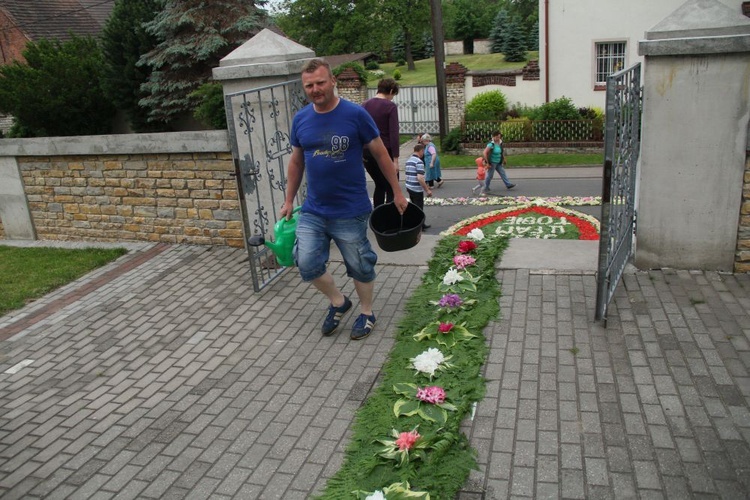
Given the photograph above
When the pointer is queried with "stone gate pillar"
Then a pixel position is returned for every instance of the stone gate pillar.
(350, 87)
(266, 59)
(696, 108)
(455, 78)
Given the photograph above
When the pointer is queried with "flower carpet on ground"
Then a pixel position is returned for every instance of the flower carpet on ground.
(572, 201)
(406, 439)
(537, 219)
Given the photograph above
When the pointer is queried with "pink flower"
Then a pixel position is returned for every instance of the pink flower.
(406, 440)
(461, 261)
(432, 394)
(445, 327)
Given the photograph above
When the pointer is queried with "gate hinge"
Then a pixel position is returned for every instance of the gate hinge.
(635, 221)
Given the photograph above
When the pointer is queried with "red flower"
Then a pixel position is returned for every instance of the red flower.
(445, 327)
(466, 246)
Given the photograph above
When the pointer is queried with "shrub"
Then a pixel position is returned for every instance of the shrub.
(361, 72)
(401, 62)
(397, 74)
(452, 140)
(486, 106)
(516, 130)
(372, 65)
(210, 110)
(559, 109)
(58, 91)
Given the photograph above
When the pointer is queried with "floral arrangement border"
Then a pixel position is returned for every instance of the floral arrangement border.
(580, 219)
(443, 469)
(572, 201)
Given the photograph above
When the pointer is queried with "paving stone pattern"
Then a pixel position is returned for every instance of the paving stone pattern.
(175, 380)
(654, 405)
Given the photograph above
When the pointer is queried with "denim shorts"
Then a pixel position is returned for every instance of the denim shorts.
(314, 235)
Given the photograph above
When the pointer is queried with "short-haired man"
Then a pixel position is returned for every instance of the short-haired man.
(328, 137)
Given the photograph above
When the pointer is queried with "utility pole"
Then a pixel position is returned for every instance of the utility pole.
(439, 45)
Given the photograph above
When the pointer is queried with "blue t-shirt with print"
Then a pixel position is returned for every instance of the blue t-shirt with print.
(333, 144)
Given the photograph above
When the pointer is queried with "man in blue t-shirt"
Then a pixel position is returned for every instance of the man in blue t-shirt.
(328, 137)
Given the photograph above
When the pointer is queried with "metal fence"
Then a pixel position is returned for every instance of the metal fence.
(621, 151)
(417, 109)
(259, 121)
(524, 130)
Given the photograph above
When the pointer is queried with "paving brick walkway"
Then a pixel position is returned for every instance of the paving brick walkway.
(175, 380)
(654, 405)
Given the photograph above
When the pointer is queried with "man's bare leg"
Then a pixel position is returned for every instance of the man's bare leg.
(365, 294)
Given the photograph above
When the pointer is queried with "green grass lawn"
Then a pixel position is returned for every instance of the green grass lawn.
(518, 160)
(424, 74)
(527, 160)
(29, 273)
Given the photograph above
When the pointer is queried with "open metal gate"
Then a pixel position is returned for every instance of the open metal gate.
(259, 121)
(417, 109)
(621, 149)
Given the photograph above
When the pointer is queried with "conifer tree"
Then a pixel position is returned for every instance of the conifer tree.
(193, 36)
(124, 41)
(499, 31)
(57, 91)
(515, 43)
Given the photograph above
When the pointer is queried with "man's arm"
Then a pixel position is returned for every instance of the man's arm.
(425, 186)
(378, 151)
(294, 172)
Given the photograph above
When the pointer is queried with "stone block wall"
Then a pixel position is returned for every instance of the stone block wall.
(155, 192)
(172, 198)
(742, 257)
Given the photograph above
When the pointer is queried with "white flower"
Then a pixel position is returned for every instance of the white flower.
(452, 277)
(376, 495)
(428, 361)
(476, 234)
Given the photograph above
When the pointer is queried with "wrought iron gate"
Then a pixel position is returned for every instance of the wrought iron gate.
(259, 121)
(621, 149)
(417, 109)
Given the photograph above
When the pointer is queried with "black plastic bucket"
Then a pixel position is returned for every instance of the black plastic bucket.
(394, 231)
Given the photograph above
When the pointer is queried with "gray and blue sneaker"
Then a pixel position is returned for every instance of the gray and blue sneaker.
(363, 326)
(334, 316)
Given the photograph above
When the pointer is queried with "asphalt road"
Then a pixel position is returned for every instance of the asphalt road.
(530, 182)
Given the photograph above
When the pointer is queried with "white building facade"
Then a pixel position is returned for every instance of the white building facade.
(581, 42)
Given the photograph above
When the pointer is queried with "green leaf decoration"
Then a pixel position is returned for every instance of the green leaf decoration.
(439, 463)
(407, 407)
(433, 413)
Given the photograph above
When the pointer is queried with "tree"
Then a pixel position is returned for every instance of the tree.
(402, 13)
(515, 43)
(124, 41)
(58, 91)
(466, 24)
(498, 33)
(193, 36)
(331, 27)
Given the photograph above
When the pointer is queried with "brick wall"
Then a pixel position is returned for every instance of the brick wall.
(350, 88)
(742, 256)
(161, 196)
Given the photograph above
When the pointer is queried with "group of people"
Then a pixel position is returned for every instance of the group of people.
(422, 169)
(333, 140)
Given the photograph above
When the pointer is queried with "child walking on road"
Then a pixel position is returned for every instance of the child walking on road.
(415, 183)
(481, 174)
